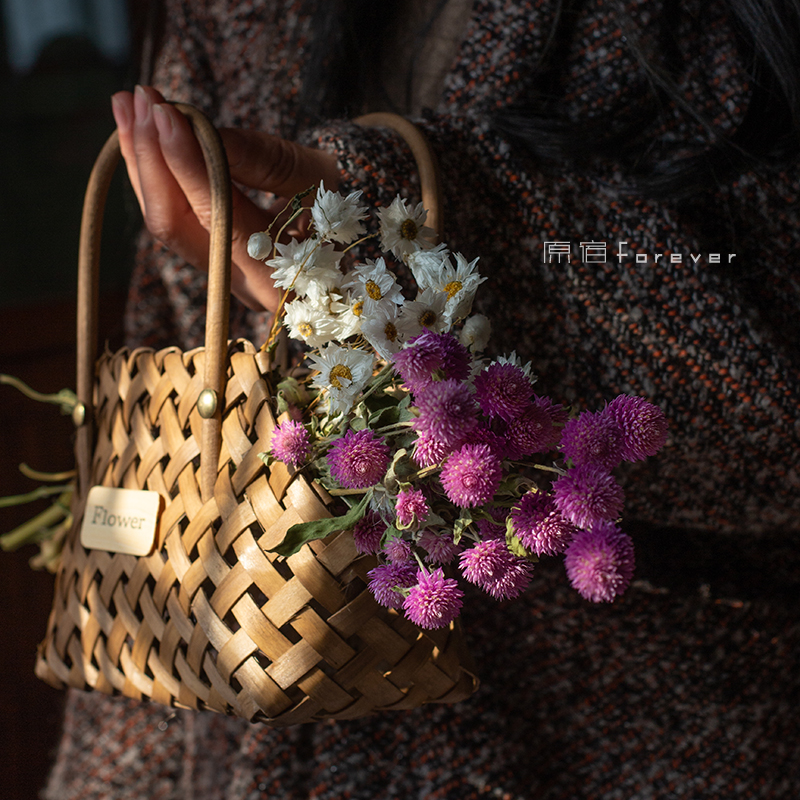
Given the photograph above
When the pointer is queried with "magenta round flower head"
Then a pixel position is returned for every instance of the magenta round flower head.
(472, 475)
(587, 495)
(644, 426)
(539, 525)
(417, 361)
(531, 432)
(368, 532)
(600, 562)
(387, 578)
(593, 438)
(503, 390)
(429, 451)
(440, 547)
(456, 360)
(411, 507)
(491, 566)
(447, 411)
(359, 459)
(398, 551)
(556, 411)
(435, 601)
(290, 443)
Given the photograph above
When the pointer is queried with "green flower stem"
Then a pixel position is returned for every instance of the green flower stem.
(29, 497)
(395, 427)
(29, 531)
(343, 492)
(360, 241)
(423, 473)
(36, 475)
(545, 468)
(65, 398)
(377, 381)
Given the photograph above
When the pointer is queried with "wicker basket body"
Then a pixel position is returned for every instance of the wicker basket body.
(210, 619)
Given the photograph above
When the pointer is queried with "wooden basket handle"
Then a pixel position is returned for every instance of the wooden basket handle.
(429, 176)
(219, 294)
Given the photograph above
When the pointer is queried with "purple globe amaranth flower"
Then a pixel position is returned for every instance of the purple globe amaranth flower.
(411, 506)
(531, 432)
(471, 475)
(644, 426)
(385, 579)
(429, 451)
(491, 566)
(398, 551)
(503, 390)
(600, 562)
(447, 411)
(417, 361)
(440, 547)
(593, 438)
(556, 411)
(587, 495)
(359, 459)
(290, 443)
(435, 601)
(540, 526)
(368, 532)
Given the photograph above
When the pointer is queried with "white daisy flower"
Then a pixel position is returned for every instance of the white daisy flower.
(302, 263)
(309, 322)
(427, 311)
(403, 230)
(349, 315)
(337, 218)
(459, 283)
(426, 265)
(476, 333)
(381, 331)
(343, 371)
(375, 284)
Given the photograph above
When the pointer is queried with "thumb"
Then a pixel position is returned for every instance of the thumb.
(266, 162)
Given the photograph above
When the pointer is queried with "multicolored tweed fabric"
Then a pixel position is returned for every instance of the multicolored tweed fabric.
(688, 686)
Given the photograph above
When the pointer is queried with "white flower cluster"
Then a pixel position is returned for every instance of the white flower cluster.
(336, 312)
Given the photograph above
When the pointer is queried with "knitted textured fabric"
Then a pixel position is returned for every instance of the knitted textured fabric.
(687, 692)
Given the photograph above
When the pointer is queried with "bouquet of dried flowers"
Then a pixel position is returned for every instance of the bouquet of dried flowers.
(451, 465)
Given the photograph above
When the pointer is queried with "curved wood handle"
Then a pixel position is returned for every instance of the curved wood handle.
(219, 293)
(429, 176)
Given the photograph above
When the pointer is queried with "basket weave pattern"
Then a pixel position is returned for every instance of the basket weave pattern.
(210, 619)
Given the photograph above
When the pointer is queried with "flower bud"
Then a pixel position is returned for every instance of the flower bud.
(476, 332)
(259, 246)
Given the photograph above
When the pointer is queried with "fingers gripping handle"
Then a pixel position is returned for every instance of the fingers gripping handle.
(219, 293)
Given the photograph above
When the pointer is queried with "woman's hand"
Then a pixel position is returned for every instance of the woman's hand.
(168, 174)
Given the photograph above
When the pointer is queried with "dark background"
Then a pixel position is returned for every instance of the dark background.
(54, 117)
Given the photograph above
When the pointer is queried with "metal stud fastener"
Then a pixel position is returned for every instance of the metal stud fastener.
(207, 403)
(78, 414)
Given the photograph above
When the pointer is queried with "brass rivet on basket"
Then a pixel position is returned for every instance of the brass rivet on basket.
(78, 414)
(207, 403)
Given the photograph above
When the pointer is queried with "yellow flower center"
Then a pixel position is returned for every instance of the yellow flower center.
(339, 371)
(409, 229)
(427, 318)
(390, 332)
(453, 288)
(305, 329)
(358, 308)
(373, 290)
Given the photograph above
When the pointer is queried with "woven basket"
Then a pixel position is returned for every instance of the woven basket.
(211, 619)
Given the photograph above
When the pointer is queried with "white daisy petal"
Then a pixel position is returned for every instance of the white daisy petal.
(403, 230)
(343, 372)
(337, 218)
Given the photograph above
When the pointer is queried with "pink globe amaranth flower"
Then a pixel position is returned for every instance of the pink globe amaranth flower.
(644, 426)
(429, 451)
(398, 551)
(600, 562)
(593, 438)
(417, 362)
(447, 411)
(557, 413)
(456, 359)
(359, 459)
(587, 495)
(411, 506)
(540, 526)
(368, 532)
(440, 547)
(290, 443)
(434, 602)
(471, 475)
(490, 566)
(531, 432)
(503, 390)
(385, 579)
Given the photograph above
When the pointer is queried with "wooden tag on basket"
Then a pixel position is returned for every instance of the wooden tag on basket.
(120, 520)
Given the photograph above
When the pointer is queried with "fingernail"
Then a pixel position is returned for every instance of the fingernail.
(141, 105)
(120, 112)
(163, 120)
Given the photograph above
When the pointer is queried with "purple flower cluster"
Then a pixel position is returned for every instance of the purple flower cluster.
(600, 562)
(290, 443)
(359, 459)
